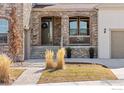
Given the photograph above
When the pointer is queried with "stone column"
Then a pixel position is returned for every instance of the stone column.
(27, 44)
(64, 30)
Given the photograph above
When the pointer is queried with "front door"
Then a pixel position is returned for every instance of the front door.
(46, 30)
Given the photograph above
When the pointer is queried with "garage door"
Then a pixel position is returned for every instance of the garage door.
(117, 44)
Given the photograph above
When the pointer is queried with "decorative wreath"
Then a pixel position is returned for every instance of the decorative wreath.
(44, 25)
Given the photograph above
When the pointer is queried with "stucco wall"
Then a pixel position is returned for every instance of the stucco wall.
(109, 19)
(27, 7)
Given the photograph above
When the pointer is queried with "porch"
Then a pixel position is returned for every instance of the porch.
(66, 28)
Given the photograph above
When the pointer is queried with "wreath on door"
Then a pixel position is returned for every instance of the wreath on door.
(44, 25)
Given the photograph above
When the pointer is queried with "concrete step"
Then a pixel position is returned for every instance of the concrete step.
(39, 52)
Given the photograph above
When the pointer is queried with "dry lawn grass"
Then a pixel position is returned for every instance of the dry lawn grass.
(77, 72)
(15, 73)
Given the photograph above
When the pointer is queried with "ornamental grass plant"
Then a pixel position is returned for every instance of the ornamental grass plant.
(49, 58)
(5, 62)
(60, 59)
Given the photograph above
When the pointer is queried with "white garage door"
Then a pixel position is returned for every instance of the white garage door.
(117, 44)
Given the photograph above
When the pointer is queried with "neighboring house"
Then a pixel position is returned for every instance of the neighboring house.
(79, 26)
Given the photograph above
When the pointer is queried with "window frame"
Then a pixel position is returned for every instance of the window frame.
(88, 25)
(8, 19)
(79, 35)
(78, 25)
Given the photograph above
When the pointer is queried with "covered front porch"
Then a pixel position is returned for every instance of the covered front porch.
(52, 29)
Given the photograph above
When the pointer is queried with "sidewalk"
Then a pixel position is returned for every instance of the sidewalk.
(119, 73)
(111, 63)
(88, 83)
(29, 77)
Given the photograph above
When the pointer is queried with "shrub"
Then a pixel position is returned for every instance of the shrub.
(68, 51)
(91, 52)
(14, 37)
(4, 68)
(49, 59)
(60, 59)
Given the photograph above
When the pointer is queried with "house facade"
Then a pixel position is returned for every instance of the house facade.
(78, 26)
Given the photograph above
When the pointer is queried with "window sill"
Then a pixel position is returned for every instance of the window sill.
(79, 36)
(3, 44)
(87, 44)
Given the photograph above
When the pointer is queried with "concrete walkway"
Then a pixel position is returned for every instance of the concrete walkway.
(30, 76)
(119, 73)
(111, 63)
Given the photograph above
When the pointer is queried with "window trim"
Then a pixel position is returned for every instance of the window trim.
(9, 26)
(78, 25)
(78, 35)
(88, 24)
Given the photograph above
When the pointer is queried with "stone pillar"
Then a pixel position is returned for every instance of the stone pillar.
(64, 30)
(94, 28)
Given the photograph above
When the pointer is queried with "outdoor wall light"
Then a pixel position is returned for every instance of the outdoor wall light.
(104, 30)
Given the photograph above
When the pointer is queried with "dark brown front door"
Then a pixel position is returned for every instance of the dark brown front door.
(46, 31)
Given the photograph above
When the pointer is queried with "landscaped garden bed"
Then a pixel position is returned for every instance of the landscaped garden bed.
(77, 72)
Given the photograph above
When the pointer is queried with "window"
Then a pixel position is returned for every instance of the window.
(3, 30)
(79, 31)
(84, 27)
(73, 26)
(79, 26)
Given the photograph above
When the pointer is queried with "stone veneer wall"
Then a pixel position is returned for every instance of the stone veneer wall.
(57, 31)
(36, 26)
(78, 52)
(5, 10)
(82, 52)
